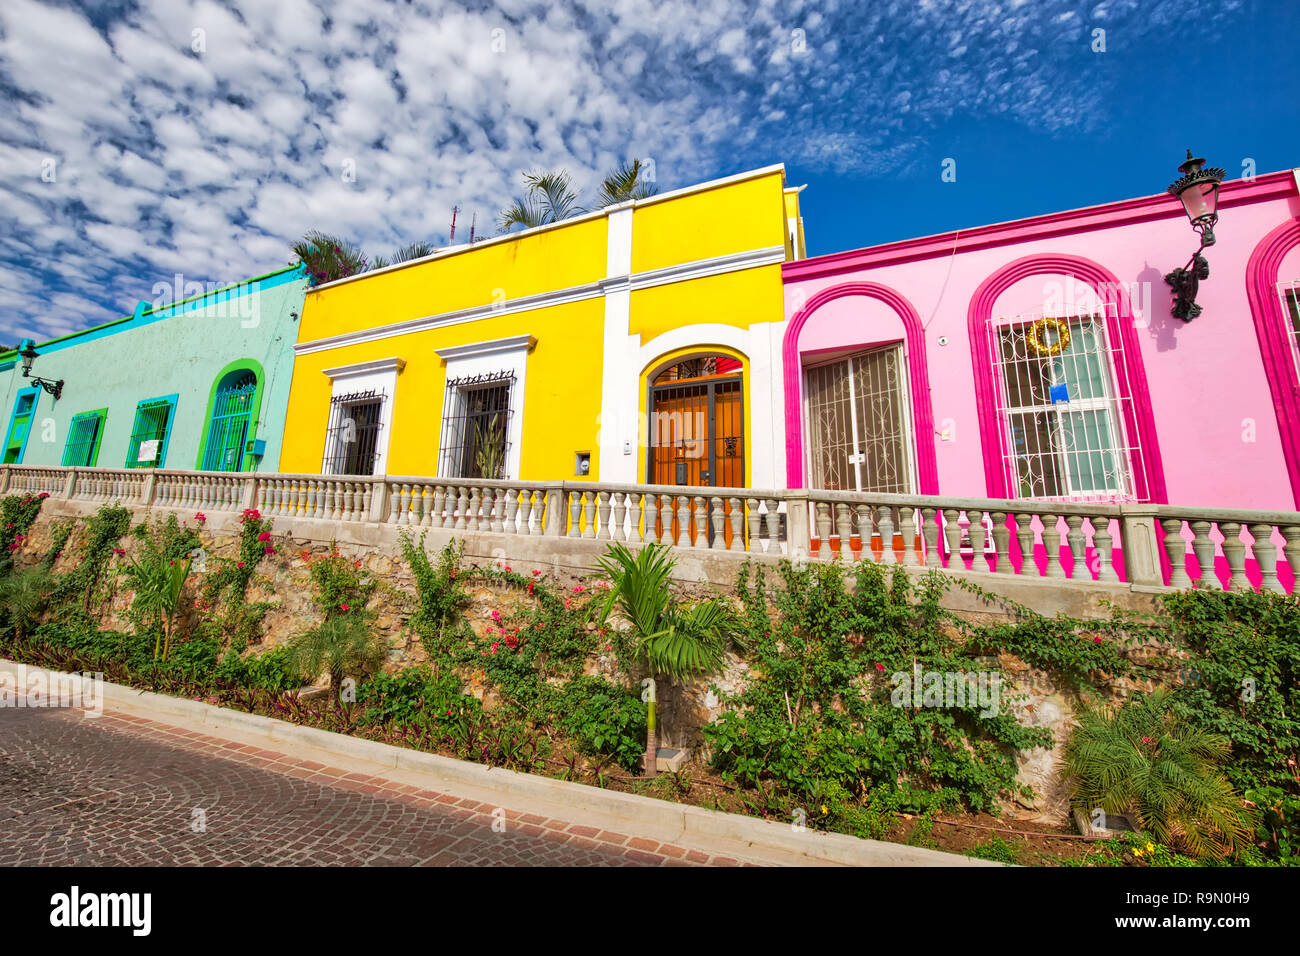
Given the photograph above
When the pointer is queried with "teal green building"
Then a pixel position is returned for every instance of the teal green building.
(199, 384)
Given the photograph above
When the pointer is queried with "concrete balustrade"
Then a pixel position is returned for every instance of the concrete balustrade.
(1148, 547)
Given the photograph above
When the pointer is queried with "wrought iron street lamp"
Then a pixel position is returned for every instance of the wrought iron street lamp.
(28, 353)
(1198, 190)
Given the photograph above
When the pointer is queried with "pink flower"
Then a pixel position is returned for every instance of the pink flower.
(200, 517)
(1148, 740)
(345, 607)
(240, 565)
(119, 551)
(43, 494)
(270, 550)
(535, 570)
(495, 644)
(264, 536)
(496, 615)
(568, 605)
(880, 667)
(511, 641)
(1096, 640)
(579, 589)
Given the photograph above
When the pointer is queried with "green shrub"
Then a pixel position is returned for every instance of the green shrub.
(441, 597)
(602, 719)
(996, 849)
(271, 670)
(1143, 761)
(416, 698)
(816, 725)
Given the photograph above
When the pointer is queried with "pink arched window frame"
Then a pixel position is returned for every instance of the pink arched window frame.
(1262, 274)
(927, 463)
(1131, 385)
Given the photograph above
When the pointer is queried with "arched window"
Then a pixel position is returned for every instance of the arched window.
(230, 421)
(1069, 422)
(1062, 433)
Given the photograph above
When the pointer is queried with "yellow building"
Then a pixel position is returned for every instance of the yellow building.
(637, 343)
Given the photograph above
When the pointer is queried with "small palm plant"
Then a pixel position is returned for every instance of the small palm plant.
(24, 595)
(158, 582)
(342, 644)
(1142, 761)
(412, 250)
(624, 183)
(490, 448)
(671, 640)
(548, 197)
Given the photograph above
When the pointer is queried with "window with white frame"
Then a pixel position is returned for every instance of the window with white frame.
(1289, 293)
(859, 426)
(360, 417)
(483, 408)
(1062, 425)
(476, 426)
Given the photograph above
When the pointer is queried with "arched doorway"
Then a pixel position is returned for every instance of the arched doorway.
(230, 421)
(697, 423)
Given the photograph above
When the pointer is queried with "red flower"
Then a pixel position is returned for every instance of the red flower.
(530, 587)
(43, 494)
(345, 607)
(270, 550)
(1096, 640)
(579, 589)
(119, 551)
(494, 646)
(240, 565)
(511, 641)
(264, 536)
(535, 570)
(200, 517)
(496, 615)
(880, 667)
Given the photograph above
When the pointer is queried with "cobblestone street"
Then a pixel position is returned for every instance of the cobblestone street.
(122, 790)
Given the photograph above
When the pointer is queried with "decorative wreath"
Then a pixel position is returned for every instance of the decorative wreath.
(1037, 336)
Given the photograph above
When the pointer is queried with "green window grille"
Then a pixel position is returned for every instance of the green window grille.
(152, 419)
(228, 429)
(16, 441)
(82, 448)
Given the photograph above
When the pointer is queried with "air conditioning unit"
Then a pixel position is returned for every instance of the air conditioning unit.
(256, 446)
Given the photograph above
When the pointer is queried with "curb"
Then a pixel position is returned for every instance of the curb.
(814, 847)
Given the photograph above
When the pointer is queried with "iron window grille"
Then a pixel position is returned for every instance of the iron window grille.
(352, 438)
(476, 426)
(1289, 293)
(148, 445)
(860, 424)
(228, 427)
(1063, 429)
(82, 447)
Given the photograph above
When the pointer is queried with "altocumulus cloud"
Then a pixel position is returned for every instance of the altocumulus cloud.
(197, 137)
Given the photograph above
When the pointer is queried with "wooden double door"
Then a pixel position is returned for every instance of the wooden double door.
(697, 431)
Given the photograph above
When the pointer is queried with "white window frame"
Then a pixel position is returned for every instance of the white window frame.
(905, 397)
(485, 358)
(381, 376)
(1109, 404)
(1288, 291)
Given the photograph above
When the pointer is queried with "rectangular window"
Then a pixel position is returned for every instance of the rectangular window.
(476, 426)
(19, 425)
(352, 440)
(149, 433)
(858, 423)
(84, 433)
(1290, 295)
(1059, 413)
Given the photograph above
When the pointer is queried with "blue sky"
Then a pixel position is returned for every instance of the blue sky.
(141, 140)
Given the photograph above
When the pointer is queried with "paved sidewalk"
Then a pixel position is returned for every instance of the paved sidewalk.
(125, 790)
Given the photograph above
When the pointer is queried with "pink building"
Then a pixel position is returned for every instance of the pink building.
(1038, 359)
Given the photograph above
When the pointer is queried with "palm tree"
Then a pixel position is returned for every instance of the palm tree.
(24, 595)
(158, 583)
(1143, 761)
(342, 643)
(549, 197)
(327, 258)
(412, 250)
(672, 640)
(623, 184)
